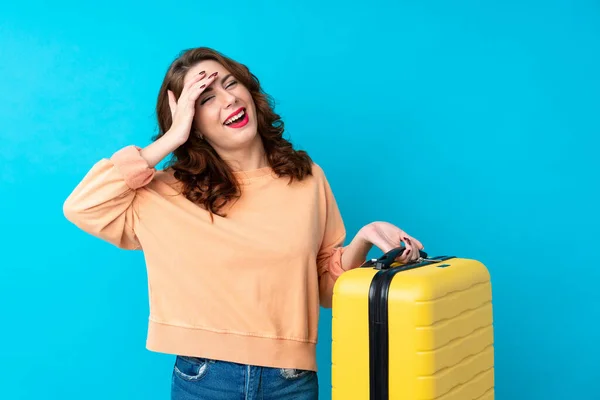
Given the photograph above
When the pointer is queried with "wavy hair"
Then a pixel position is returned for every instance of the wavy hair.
(207, 179)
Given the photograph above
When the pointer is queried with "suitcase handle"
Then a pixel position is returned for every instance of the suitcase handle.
(386, 260)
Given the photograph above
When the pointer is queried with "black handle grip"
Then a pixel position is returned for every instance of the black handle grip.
(386, 260)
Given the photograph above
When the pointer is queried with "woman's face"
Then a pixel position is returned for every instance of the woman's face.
(225, 111)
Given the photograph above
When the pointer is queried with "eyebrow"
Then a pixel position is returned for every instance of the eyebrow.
(223, 79)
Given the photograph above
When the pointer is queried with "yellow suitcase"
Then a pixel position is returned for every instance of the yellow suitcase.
(416, 331)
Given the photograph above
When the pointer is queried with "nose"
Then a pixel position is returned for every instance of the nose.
(229, 99)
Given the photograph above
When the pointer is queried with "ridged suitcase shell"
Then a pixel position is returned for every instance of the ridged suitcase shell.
(440, 327)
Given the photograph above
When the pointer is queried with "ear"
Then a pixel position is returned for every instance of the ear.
(196, 132)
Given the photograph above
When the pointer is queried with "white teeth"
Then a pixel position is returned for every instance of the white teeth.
(235, 118)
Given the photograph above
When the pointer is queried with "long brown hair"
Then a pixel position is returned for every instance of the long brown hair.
(207, 179)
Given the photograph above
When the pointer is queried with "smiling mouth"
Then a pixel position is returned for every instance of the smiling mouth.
(239, 120)
(236, 118)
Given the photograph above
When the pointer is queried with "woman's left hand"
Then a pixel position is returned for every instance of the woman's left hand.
(387, 237)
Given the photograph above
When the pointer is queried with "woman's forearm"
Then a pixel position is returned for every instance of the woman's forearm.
(355, 253)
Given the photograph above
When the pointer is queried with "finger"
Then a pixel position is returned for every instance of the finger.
(408, 242)
(412, 252)
(414, 255)
(200, 87)
(172, 102)
(417, 243)
(406, 254)
(416, 246)
(191, 84)
(203, 84)
(194, 80)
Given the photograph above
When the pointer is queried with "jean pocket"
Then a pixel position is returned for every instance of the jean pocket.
(190, 368)
(294, 373)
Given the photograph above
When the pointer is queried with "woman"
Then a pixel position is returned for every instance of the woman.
(241, 234)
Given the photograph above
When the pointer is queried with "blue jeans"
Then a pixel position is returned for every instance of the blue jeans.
(203, 379)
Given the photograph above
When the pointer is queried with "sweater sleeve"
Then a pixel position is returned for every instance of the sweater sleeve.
(329, 258)
(102, 203)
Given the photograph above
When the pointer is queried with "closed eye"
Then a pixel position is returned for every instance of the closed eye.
(228, 85)
(206, 99)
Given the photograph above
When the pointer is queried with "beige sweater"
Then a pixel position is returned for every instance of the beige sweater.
(246, 288)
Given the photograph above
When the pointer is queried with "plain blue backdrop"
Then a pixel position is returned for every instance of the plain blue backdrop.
(472, 125)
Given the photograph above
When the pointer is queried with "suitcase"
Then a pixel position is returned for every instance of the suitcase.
(421, 330)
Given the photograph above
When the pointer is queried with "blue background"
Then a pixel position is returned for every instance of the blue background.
(472, 125)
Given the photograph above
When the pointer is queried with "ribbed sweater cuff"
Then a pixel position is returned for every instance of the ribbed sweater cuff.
(133, 167)
(335, 262)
